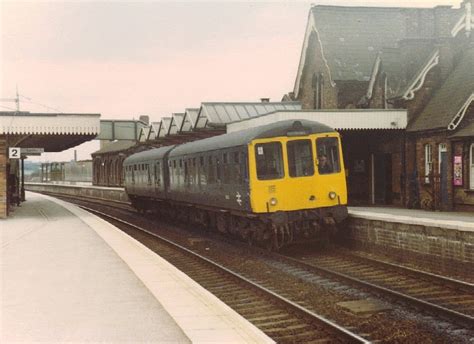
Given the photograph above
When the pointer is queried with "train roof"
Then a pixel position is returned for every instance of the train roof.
(294, 127)
(151, 154)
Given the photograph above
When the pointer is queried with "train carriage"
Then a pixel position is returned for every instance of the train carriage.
(271, 184)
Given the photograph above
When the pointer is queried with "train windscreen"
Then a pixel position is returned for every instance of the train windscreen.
(300, 158)
(269, 159)
(327, 149)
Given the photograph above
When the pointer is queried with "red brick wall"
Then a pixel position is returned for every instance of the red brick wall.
(3, 177)
(430, 194)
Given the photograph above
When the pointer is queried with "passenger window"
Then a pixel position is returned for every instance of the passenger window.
(300, 158)
(328, 155)
(269, 160)
(149, 174)
(157, 174)
(186, 173)
(218, 170)
(210, 171)
(236, 157)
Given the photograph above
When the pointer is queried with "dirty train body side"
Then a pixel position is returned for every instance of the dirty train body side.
(271, 185)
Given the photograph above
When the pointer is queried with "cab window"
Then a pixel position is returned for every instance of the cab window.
(327, 149)
(269, 160)
(300, 158)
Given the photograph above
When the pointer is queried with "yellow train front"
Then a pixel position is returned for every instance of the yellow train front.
(272, 185)
(297, 182)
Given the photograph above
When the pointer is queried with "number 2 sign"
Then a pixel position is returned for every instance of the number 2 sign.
(14, 153)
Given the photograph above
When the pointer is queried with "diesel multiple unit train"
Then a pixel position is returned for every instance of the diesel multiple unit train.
(271, 185)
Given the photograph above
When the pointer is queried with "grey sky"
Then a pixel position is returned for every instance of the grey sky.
(123, 59)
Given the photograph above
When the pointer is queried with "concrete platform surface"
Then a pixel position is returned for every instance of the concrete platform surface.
(450, 220)
(69, 276)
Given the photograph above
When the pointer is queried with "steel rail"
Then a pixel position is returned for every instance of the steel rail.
(346, 334)
(464, 318)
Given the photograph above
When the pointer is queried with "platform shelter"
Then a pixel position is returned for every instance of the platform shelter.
(33, 133)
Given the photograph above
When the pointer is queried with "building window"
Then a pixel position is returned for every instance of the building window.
(428, 162)
(471, 167)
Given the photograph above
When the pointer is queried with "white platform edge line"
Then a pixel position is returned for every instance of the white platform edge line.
(140, 259)
(445, 224)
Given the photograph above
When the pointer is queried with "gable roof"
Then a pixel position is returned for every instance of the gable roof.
(450, 98)
(349, 50)
(215, 114)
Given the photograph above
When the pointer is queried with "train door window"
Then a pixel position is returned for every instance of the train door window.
(269, 158)
(244, 166)
(327, 149)
(225, 169)
(300, 158)
(133, 173)
(236, 157)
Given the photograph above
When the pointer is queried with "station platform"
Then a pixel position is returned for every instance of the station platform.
(69, 276)
(442, 240)
(449, 220)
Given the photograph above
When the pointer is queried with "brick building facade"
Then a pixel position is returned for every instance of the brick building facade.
(107, 163)
(419, 59)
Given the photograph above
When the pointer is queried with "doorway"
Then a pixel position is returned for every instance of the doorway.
(443, 175)
(382, 178)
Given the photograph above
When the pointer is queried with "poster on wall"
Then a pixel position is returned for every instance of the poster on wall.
(457, 170)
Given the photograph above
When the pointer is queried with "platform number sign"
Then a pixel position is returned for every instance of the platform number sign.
(14, 152)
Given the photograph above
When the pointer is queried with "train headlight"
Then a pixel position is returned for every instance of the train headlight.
(273, 201)
(332, 195)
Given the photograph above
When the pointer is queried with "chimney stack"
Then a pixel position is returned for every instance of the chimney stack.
(145, 119)
(265, 100)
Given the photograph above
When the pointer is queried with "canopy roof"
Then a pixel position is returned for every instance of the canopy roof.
(52, 131)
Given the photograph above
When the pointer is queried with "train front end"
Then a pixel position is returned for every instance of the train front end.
(298, 183)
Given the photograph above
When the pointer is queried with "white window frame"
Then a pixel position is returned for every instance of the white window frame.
(428, 162)
(471, 167)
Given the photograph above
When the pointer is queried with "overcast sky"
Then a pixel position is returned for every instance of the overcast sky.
(123, 59)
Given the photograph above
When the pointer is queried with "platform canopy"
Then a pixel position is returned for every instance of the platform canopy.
(54, 132)
(336, 119)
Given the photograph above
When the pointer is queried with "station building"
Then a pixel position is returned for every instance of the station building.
(417, 59)
(51, 132)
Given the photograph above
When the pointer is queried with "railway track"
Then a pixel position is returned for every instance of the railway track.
(279, 317)
(449, 298)
(308, 278)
